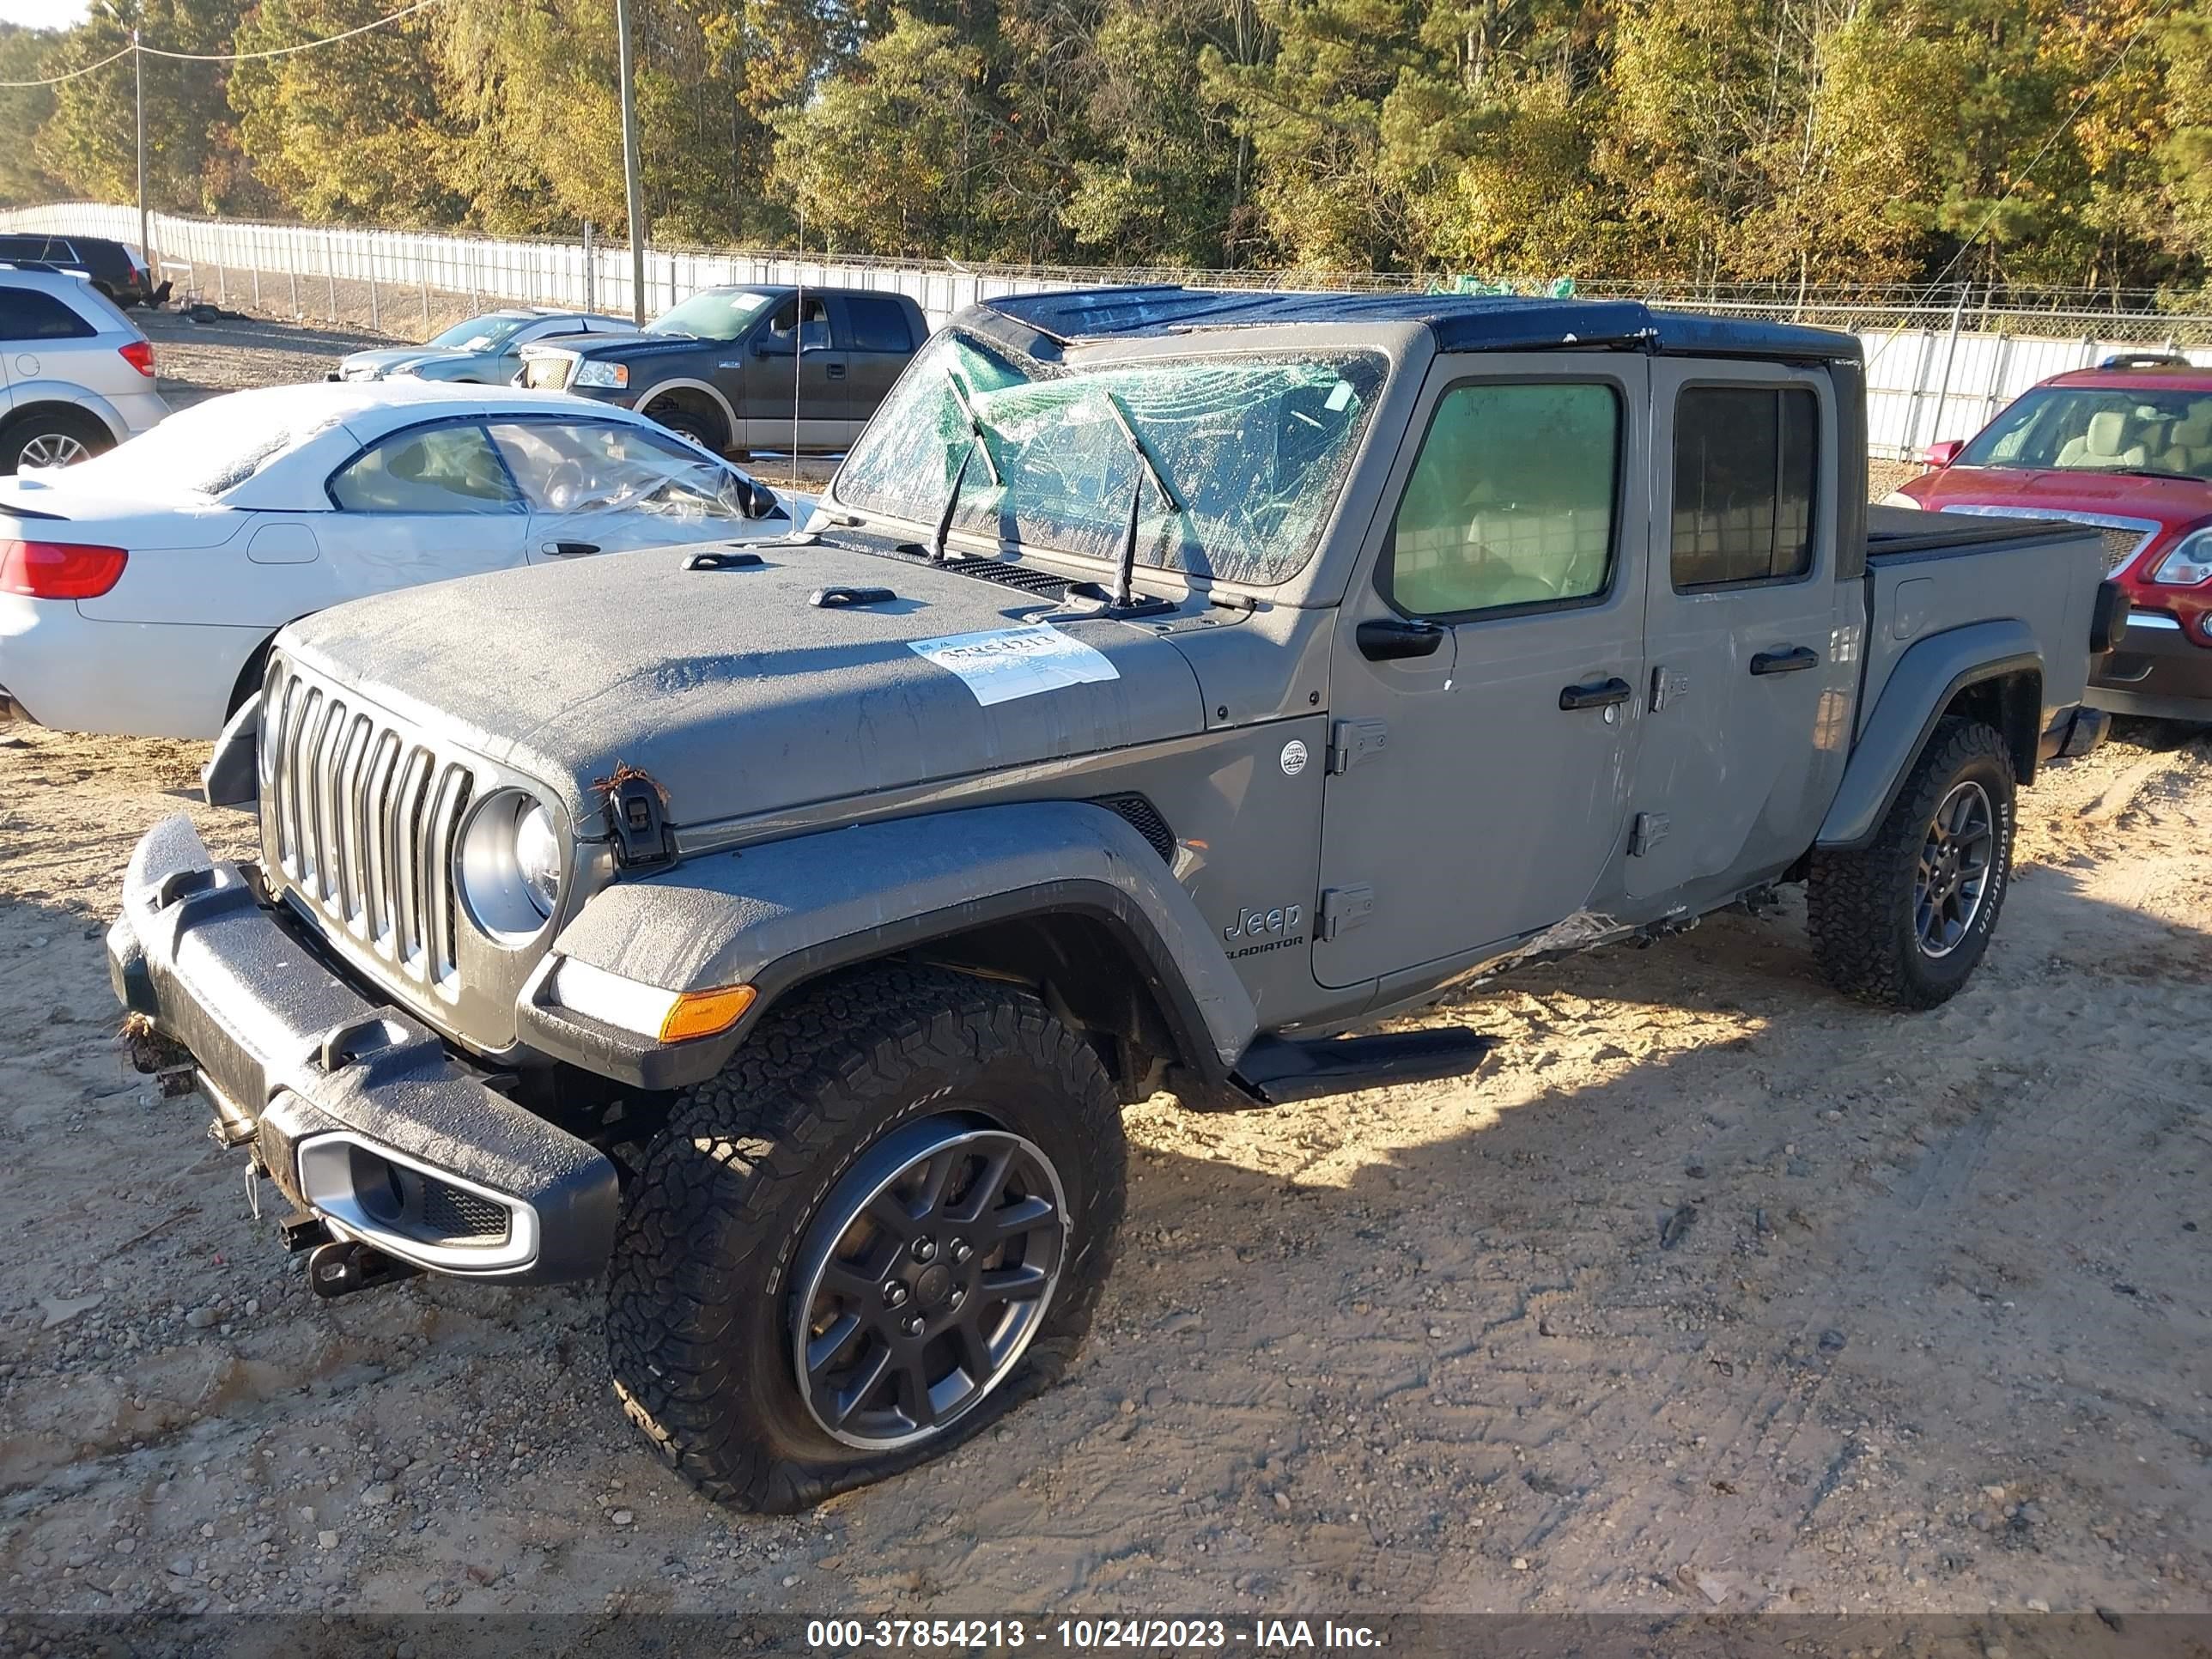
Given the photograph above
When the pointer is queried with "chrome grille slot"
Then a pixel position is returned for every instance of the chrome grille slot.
(366, 823)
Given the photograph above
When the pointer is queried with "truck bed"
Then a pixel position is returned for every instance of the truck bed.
(1929, 571)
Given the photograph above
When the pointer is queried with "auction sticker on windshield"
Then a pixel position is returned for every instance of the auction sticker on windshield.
(1002, 664)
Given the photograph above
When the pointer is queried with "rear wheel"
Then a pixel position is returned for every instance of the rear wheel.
(882, 1226)
(60, 436)
(1906, 920)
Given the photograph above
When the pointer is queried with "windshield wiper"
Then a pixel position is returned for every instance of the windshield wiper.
(952, 500)
(975, 426)
(1124, 599)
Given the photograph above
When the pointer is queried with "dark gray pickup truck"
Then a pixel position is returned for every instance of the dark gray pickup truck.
(1172, 682)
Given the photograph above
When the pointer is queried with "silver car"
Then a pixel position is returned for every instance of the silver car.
(76, 377)
(486, 351)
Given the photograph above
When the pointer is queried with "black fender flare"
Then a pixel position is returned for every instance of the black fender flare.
(776, 915)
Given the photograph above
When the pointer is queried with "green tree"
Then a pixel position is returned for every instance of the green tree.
(357, 131)
(90, 143)
(24, 55)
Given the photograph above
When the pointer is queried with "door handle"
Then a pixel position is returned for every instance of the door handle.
(1387, 639)
(567, 550)
(1598, 694)
(836, 370)
(1795, 658)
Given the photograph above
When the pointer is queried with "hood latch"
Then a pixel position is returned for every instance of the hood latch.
(637, 812)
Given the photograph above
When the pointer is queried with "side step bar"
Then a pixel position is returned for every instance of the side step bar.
(1278, 1070)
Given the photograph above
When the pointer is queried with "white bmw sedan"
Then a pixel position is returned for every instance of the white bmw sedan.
(139, 590)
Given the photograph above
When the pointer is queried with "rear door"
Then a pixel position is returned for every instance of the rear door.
(797, 380)
(1476, 792)
(1749, 685)
(879, 343)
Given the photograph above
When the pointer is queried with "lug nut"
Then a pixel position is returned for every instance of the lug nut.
(961, 1251)
(913, 1326)
(895, 1293)
(958, 1297)
(924, 1249)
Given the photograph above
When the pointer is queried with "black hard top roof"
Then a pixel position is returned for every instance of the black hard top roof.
(1459, 322)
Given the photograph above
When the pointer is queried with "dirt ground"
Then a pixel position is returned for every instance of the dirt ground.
(1712, 1292)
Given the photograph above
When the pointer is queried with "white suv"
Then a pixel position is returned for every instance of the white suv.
(76, 377)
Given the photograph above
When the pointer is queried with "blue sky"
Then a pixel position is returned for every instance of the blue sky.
(42, 13)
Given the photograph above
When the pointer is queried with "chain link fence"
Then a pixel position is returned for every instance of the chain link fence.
(1939, 362)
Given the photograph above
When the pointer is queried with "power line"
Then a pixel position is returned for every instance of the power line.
(305, 45)
(56, 80)
(222, 57)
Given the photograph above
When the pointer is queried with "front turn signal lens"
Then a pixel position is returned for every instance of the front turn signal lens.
(706, 1014)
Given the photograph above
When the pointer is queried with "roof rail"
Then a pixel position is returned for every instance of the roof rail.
(2146, 360)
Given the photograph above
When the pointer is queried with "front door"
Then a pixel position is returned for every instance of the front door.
(1477, 790)
(1749, 681)
(796, 388)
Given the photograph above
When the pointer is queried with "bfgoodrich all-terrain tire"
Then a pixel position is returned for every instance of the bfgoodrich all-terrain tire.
(1903, 920)
(884, 1225)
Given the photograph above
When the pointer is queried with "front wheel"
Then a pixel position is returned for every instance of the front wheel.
(884, 1225)
(1904, 921)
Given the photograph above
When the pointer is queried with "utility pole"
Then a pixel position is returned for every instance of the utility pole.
(630, 189)
(138, 93)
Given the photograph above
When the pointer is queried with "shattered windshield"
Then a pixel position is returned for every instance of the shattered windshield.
(1253, 448)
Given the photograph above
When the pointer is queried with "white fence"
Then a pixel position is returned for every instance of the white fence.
(1933, 371)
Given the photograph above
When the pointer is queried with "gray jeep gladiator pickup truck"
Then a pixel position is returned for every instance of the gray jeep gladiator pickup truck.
(1170, 681)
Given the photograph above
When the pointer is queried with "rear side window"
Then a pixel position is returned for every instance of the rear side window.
(878, 324)
(1512, 501)
(28, 314)
(1744, 461)
(446, 469)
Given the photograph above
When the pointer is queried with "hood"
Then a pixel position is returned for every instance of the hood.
(631, 347)
(392, 360)
(2172, 501)
(731, 691)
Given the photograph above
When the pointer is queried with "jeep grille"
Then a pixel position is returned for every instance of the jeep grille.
(363, 819)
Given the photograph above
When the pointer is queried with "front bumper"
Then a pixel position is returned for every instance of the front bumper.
(2157, 671)
(357, 1112)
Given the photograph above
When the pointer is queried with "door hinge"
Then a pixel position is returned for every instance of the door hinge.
(1667, 684)
(1343, 909)
(1646, 832)
(1350, 742)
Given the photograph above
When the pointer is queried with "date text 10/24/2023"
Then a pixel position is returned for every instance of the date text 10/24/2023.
(1067, 1636)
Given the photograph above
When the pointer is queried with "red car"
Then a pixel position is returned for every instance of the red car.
(2126, 446)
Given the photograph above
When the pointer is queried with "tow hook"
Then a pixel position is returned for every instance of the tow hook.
(344, 1266)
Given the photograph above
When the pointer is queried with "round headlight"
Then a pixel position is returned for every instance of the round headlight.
(510, 866)
(538, 858)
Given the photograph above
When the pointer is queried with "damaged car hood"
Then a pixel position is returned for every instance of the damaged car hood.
(736, 692)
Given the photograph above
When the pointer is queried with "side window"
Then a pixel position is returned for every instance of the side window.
(586, 466)
(1512, 502)
(814, 327)
(28, 314)
(878, 324)
(446, 469)
(1744, 460)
